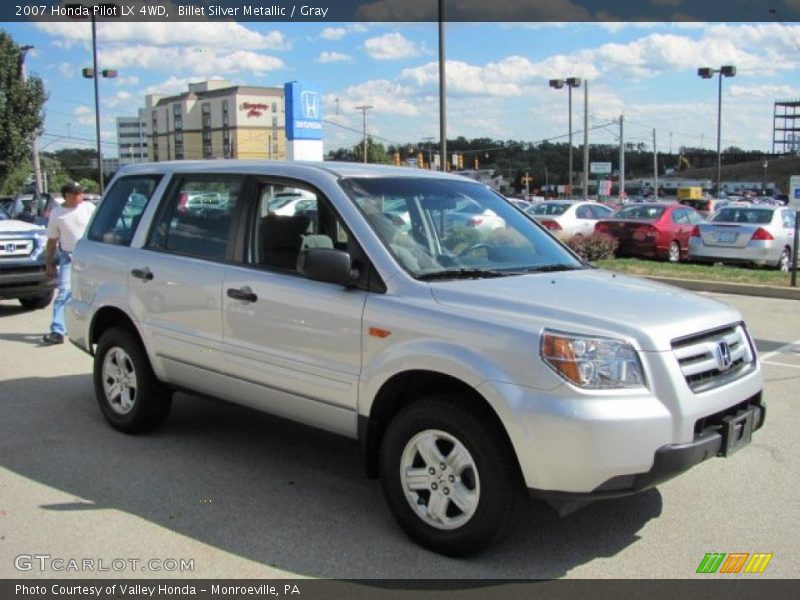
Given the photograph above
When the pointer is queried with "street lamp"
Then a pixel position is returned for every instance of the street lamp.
(571, 82)
(707, 73)
(107, 10)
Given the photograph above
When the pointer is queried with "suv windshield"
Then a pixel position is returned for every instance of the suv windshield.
(439, 228)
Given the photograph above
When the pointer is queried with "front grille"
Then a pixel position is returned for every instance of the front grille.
(714, 358)
(15, 248)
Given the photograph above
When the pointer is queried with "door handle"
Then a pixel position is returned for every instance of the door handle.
(144, 274)
(244, 294)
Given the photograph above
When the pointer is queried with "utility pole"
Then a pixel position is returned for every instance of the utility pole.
(586, 140)
(364, 108)
(442, 92)
(37, 169)
(655, 166)
(621, 158)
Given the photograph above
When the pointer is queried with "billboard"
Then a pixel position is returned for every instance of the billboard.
(303, 111)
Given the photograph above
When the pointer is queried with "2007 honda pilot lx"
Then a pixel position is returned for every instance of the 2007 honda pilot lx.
(470, 363)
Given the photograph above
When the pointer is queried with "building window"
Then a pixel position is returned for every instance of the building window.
(274, 122)
(274, 107)
(176, 110)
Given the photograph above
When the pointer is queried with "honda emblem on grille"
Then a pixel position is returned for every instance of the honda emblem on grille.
(723, 353)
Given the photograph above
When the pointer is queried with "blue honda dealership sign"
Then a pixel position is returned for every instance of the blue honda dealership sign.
(303, 111)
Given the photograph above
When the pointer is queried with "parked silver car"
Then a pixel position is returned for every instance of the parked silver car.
(469, 363)
(747, 234)
(569, 218)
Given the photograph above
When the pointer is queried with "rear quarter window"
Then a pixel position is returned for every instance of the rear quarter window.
(118, 215)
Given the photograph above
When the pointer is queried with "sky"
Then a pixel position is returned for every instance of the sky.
(497, 76)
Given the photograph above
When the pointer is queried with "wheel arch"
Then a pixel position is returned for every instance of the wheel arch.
(410, 386)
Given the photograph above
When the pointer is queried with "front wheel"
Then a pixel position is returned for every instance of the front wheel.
(449, 477)
(128, 392)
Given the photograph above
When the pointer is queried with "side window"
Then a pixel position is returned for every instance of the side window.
(121, 210)
(788, 218)
(584, 212)
(601, 212)
(196, 220)
(681, 217)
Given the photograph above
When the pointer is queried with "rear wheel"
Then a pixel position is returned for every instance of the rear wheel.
(128, 392)
(448, 476)
(785, 261)
(674, 252)
(36, 302)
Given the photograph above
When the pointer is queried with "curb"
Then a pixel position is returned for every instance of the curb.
(741, 289)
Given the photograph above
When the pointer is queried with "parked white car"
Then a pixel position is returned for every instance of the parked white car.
(469, 364)
(746, 233)
(569, 218)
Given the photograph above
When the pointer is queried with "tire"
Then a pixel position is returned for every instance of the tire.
(674, 253)
(37, 302)
(129, 394)
(474, 498)
(785, 261)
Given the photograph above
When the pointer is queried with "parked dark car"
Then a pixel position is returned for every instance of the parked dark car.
(653, 230)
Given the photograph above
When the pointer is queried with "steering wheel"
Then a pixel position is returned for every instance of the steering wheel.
(473, 248)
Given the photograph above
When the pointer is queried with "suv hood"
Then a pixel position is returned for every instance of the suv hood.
(592, 301)
(18, 227)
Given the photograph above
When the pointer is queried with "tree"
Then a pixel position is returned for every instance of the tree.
(376, 152)
(21, 108)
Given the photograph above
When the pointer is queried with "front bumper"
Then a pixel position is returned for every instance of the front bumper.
(760, 253)
(723, 434)
(573, 442)
(23, 282)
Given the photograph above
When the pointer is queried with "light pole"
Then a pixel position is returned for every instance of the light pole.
(707, 73)
(37, 169)
(364, 108)
(571, 82)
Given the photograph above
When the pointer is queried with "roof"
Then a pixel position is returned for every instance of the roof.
(287, 168)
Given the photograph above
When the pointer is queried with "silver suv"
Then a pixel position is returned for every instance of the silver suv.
(471, 364)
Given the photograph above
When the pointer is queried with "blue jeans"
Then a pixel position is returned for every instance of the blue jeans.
(64, 293)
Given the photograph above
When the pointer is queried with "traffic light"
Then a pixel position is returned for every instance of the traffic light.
(460, 162)
(476, 164)
(420, 161)
(396, 159)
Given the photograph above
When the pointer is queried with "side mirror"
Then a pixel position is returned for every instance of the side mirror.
(329, 266)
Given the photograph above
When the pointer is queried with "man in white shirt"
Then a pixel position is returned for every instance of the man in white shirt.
(66, 226)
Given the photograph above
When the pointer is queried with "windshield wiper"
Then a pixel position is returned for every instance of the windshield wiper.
(552, 268)
(463, 274)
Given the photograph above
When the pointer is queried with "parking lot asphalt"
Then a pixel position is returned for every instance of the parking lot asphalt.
(247, 495)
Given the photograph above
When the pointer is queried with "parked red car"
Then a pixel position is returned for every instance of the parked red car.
(654, 230)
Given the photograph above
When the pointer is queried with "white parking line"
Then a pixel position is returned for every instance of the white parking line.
(777, 364)
(781, 350)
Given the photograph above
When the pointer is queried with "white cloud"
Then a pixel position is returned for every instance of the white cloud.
(764, 91)
(200, 61)
(331, 57)
(226, 35)
(175, 85)
(385, 96)
(333, 33)
(83, 115)
(120, 98)
(391, 46)
(66, 70)
(123, 81)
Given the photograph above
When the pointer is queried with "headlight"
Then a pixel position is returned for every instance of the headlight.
(594, 363)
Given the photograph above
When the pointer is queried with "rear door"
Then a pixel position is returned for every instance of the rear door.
(176, 279)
